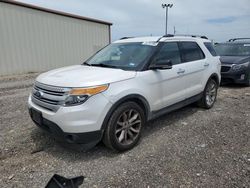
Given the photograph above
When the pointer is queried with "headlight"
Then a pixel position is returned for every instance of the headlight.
(72, 100)
(240, 66)
(80, 95)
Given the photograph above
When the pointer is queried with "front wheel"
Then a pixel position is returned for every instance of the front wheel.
(209, 94)
(124, 127)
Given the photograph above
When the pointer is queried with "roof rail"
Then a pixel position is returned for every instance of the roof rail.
(170, 35)
(198, 36)
(164, 36)
(123, 38)
(232, 40)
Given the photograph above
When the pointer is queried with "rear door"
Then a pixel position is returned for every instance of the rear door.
(195, 65)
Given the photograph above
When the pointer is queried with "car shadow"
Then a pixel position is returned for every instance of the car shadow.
(170, 118)
(45, 143)
(233, 86)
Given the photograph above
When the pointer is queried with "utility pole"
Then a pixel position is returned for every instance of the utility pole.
(167, 6)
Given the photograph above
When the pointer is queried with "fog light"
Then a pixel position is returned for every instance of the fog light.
(71, 138)
(242, 77)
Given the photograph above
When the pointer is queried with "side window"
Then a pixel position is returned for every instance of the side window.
(190, 51)
(210, 48)
(169, 51)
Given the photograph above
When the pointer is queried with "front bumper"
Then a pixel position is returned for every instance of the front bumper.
(87, 138)
(238, 77)
(77, 124)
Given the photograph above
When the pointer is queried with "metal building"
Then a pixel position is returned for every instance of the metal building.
(35, 39)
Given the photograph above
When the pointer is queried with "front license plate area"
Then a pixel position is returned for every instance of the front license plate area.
(36, 116)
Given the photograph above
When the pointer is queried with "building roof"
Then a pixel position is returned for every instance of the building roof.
(54, 11)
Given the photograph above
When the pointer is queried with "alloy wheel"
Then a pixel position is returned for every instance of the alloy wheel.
(128, 127)
(211, 93)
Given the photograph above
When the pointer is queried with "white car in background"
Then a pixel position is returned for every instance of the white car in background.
(112, 95)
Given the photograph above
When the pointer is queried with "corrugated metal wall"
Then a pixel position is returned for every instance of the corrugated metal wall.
(35, 41)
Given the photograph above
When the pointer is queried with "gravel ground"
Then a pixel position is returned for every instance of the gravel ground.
(191, 147)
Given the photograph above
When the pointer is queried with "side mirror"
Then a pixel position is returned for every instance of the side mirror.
(161, 64)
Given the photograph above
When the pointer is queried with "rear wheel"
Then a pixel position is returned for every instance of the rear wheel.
(124, 127)
(209, 94)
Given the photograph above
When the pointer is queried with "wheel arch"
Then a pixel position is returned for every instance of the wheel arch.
(139, 99)
(215, 77)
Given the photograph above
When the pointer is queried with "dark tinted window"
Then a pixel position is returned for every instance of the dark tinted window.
(233, 49)
(210, 48)
(169, 51)
(190, 51)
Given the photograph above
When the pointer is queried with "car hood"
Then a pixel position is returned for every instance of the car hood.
(234, 59)
(83, 76)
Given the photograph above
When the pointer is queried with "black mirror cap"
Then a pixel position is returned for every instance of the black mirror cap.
(161, 64)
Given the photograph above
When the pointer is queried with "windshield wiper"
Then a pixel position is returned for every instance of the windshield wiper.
(85, 63)
(104, 65)
(99, 65)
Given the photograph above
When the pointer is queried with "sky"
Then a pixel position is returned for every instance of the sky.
(219, 20)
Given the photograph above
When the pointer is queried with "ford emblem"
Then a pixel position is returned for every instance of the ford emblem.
(38, 94)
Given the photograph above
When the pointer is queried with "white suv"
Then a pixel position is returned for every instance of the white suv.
(112, 95)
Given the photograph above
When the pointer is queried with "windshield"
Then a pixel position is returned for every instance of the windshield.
(233, 49)
(127, 56)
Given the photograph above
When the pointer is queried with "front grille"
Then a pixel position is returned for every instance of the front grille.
(56, 93)
(48, 97)
(225, 68)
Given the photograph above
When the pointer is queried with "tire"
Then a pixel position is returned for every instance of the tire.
(209, 95)
(122, 134)
(248, 84)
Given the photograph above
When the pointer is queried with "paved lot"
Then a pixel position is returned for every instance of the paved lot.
(191, 147)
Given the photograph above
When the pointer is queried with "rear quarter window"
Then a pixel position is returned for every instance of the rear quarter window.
(190, 51)
(210, 48)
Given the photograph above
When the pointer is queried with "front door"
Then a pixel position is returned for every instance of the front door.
(171, 81)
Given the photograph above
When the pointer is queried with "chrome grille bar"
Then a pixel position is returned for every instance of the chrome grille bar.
(48, 97)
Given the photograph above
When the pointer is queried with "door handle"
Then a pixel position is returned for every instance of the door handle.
(206, 64)
(181, 71)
